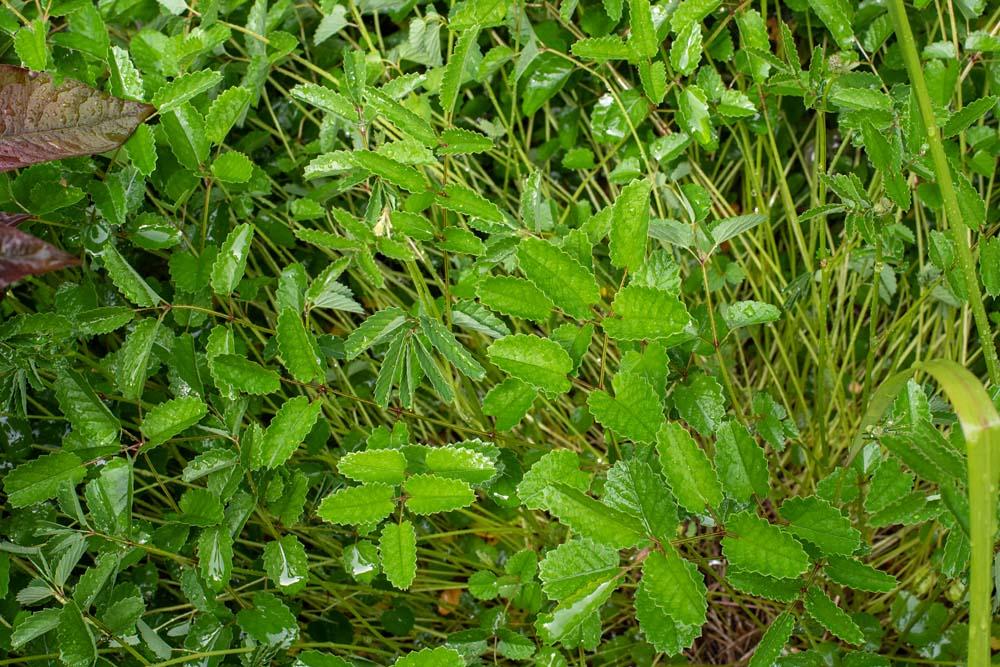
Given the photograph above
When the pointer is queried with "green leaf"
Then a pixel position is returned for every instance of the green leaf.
(689, 473)
(741, 463)
(826, 612)
(700, 402)
(769, 588)
(185, 87)
(962, 119)
(89, 416)
(592, 519)
(397, 548)
(326, 99)
(692, 11)
(141, 149)
(837, 16)
(430, 494)
(539, 362)
(989, 265)
(573, 612)
(685, 52)
(215, 557)
(109, 498)
(695, 116)
(286, 564)
(298, 348)
(508, 402)
(40, 479)
(375, 329)
(29, 45)
(569, 284)
(454, 71)
(231, 262)
(440, 656)
(94, 123)
(773, 641)
(461, 199)
(546, 76)
(630, 225)
(820, 523)
(76, 642)
(358, 505)
(133, 358)
(645, 313)
(233, 370)
(268, 621)
(374, 465)
(642, 37)
(405, 120)
(602, 49)
(445, 342)
(653, 77)
(516, 297)
(749, 313)
(232, 167)
(288, 428)
(457, 141)
(676, 586)
(201, 507)
(754, 545)
(633, 487)
(464, 463)
(660, 629)
(226, 110)
(172, 417)
(127, 280)
(557, 466)
(634, 412)
(572, 565)
(729, 228)
(854, 574)
(32, 626)
(389, 170)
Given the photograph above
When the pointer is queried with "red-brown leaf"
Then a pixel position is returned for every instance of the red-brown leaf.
(40, 121)
(22, 254)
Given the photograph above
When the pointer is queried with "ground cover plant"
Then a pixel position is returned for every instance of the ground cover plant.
(499, 332)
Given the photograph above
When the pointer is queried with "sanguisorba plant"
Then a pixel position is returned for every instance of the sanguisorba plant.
(437, 334)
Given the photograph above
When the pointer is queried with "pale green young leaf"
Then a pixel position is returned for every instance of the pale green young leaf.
(374, 465)
(826, 612)
(516, 297)
(286, 564)
(741, 463)
(288, 428)
(185, 87)
(430, 494)
(569, 284)
(440, 656)
(653, 77)
(773, 641)
(754, 545)
(226, 110)
(169, 418)
(39, 479)
(820, 523)
(233, 370)
(591, 518)
(645, 313)
(30, 46)
(689, 473)
(692, 11)
(397, 548)
(634, 412)
(539, 362)
(630, 225)
(508, 402)
(231, 262)
(729, 228)
(375, 329)
(141, 149)
(570, 566)
(358, 505)
(298, 348)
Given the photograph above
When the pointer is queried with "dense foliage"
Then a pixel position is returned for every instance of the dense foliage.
(496, 332)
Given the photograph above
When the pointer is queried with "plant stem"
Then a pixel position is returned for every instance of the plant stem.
(942, 171)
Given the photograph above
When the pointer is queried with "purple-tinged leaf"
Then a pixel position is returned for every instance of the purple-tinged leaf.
(22, 254)
(40, 121)
(12, 219)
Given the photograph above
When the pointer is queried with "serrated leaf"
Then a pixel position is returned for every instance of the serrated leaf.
(445, 342)
(457, 141)
(133, 358)
(748, 313)
(76, 642)
(602, 49)
(462, 200)
(233, 370)
(689, 473)
(837, 16)
(85, 411)
(769, 588)
(288, 428)
(754, 545)
(630, 225)
(642, 36)
(539, 362)
(286, 563)
(405, 120)
(94, 123)
(201, 507)
(386, 168)
(962, 119)
(820, 523)
(692, 11)
(457, 462)
(268, 621)
(700, 402)
(989, 265)
(298, 347)
(40, 479)
(32, 626)
(634, 488)
(232, 167)
(572, 612)
(676, 586)
(741, 463)
(325, 99)
(685, 52)
(430, 494)
(397, 548)
(591, 518)
(358, 505)
(127, 279)
(557, 466)
(226, 110)
(172, 417)
(185, 87)
(572, 565)
(859, 576)
(454, 71)
(440, 656)
(508, 402)
(660, 629)
(374, 465)
(516, 297)
(826, 612)
(645, 313)
(375, 329)
(634, 412)
(569, 284)
(231, 262)
(773, 641)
